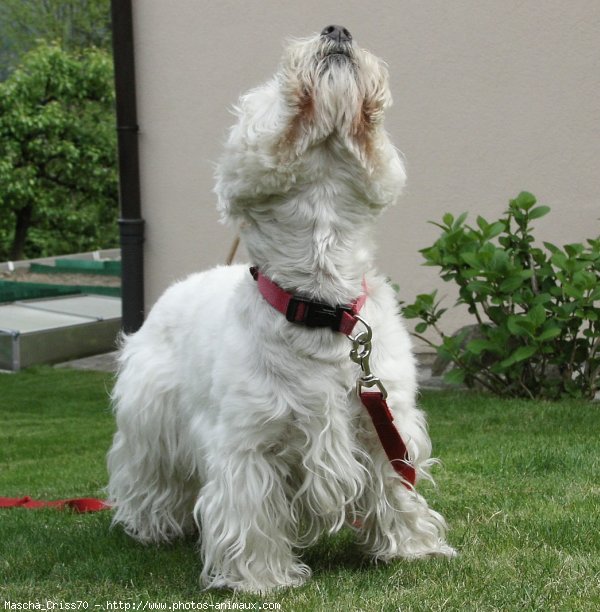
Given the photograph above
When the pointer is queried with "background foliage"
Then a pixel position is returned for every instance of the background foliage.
(537, 310)
(58, 180)
(76, 24)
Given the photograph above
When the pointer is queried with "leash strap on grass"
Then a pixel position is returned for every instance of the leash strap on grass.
(83, 504)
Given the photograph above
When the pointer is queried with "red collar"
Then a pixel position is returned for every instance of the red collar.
(297, 309)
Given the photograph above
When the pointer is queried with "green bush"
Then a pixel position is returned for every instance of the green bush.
(537, 330)
(58, 176)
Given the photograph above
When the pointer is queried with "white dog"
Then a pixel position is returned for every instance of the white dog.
(243, 422)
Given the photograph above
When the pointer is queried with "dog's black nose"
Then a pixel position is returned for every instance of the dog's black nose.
(337, 33)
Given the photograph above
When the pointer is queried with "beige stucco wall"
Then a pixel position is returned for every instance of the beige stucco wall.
(491, 97)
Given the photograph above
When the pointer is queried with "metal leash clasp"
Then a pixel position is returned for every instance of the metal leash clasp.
(360, 354)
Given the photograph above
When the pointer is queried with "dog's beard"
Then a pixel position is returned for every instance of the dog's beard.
(337, 95)
(330, 88)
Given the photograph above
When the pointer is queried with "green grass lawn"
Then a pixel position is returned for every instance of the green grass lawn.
(520, 488)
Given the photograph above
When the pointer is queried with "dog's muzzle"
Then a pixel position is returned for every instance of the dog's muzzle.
(337, 42)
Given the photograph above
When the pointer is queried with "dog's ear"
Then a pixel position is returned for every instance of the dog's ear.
(366, 130)
(369, 141)
(301, 126)
(251, 168)
(386, 172)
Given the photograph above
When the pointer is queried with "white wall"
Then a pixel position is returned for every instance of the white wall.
(491, 97)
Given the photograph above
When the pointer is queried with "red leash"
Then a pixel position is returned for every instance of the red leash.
(83, 504)
(392, 442)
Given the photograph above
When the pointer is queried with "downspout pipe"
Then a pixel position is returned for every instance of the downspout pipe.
(131, 223)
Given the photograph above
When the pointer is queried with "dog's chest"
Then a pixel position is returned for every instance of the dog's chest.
(324, 412)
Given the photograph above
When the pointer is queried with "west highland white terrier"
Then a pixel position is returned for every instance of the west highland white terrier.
(236, 402)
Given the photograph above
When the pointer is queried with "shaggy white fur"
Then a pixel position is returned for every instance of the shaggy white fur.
(235, 422)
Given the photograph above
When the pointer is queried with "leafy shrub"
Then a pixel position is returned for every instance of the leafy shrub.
(58, 178)
(537, 310)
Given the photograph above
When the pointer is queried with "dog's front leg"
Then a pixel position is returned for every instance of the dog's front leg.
(246, 525)
(398, 523)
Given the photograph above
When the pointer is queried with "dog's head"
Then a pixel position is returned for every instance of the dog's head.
(332, 86)
(318, 122)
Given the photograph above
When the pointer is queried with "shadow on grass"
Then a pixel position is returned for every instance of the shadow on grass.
(66, 548)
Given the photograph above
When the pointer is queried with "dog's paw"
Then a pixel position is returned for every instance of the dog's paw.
(415, 552)
(292, 577)
(442, 550)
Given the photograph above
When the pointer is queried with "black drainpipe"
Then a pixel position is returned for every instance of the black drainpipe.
(131, 224)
